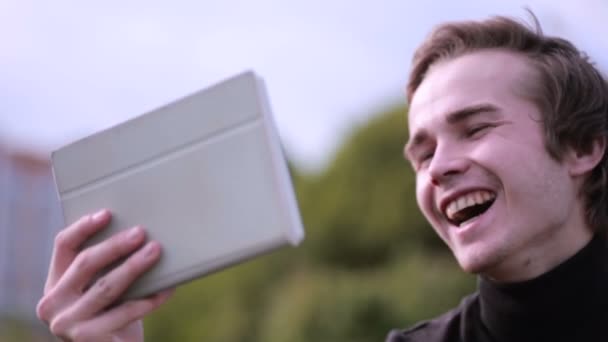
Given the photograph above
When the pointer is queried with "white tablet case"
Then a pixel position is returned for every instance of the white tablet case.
(205, 176)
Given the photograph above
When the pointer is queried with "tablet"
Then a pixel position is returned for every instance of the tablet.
(204, 175)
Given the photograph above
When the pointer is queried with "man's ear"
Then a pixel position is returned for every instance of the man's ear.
(583, 161)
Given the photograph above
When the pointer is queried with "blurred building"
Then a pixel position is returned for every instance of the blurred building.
(30, 216)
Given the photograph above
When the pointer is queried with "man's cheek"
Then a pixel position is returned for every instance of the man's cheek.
(422, 191)
(425, 202)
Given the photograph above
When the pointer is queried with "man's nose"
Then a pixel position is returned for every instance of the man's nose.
(447, 163)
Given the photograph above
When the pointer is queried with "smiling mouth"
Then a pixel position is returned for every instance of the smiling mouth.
(468, 206)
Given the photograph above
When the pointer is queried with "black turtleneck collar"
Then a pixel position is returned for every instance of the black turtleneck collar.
(569, 302)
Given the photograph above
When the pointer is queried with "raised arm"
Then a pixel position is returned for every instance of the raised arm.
(75, 305)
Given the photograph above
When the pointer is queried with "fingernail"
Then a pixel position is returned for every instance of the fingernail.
(134, 233)
(98, 216)
(150, 250)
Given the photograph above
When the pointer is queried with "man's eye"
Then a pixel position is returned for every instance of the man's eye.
(424, 159)
(476, 129)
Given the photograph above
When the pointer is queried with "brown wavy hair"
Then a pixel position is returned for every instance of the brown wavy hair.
(570, 92)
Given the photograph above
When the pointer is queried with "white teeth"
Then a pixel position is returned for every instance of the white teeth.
(467, 200)
(470, 200)
(462, 202)
(486, 196)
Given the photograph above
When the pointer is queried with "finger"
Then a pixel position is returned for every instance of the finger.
(87, 264)
(119, 317)
(68, 241)
(90, 262)
(106, 290)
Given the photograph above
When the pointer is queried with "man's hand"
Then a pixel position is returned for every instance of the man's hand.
(77, 309)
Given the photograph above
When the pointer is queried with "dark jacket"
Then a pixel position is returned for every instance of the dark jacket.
(568, 303)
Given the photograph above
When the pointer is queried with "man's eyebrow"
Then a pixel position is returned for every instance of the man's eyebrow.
(467, 112)
(452, 118)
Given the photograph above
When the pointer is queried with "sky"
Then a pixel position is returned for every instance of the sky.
(71, 68)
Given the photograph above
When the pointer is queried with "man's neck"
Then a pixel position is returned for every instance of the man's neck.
(542, 254)
(569, 299)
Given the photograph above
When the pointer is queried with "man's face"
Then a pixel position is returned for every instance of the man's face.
(484, 179)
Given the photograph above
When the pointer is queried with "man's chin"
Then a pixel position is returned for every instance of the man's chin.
(476, 263)
(472, 268)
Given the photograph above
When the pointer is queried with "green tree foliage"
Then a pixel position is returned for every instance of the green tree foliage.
(364, 202)
(13, 330)
(369, 263)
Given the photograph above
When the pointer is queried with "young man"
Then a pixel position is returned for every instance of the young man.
(508, 139)
(508, 133)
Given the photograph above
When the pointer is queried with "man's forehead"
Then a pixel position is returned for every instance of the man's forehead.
(488, 76)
